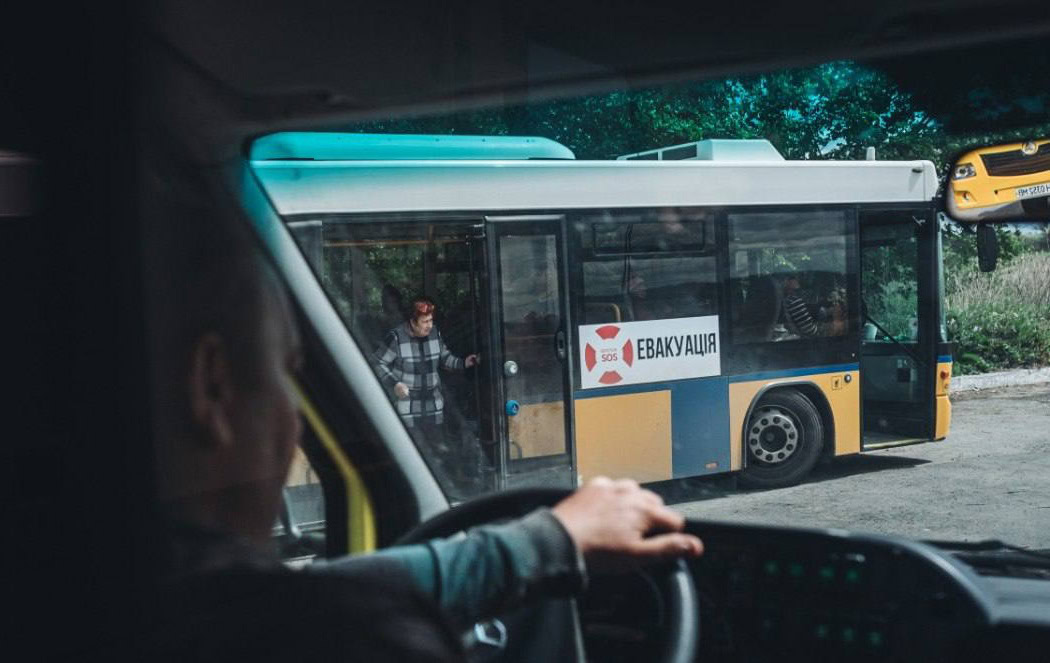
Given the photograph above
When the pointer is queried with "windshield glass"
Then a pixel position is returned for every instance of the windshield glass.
(773, 321)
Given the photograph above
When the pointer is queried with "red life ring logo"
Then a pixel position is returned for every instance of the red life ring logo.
(608, 354)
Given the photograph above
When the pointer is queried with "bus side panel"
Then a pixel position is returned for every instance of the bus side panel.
(843, 393)
(627, 435)
(701, 416)
(538, 430)
(944, 406)
(840, 389)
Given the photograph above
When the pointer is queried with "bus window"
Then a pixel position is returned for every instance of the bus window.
(371, 270)
(649, 265)
(890, 257)
(789, 278)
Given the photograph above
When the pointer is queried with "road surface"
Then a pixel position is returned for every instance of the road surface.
(989, 479)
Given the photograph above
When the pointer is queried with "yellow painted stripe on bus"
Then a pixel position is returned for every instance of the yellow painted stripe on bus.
(843, 398)
(943, 423)
(944, 377)
(361, 526)
(740, 396)
(628, 435)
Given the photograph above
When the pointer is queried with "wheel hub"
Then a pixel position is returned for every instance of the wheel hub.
(772, 435)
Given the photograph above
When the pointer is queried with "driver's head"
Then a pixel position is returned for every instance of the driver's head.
(224, 346)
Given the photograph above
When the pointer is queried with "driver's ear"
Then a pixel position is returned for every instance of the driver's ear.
(211, 390)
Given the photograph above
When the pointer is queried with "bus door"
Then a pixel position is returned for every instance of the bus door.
(529, 370)
(898, 348)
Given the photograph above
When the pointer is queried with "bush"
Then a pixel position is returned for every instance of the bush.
(893, 305)
(1001, 320)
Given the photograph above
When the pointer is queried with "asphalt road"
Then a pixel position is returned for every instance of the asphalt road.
(990, 479)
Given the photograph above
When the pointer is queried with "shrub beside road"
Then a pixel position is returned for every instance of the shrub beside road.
(1000, 320)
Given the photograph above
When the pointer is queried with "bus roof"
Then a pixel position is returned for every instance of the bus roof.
(712, 149)
(318, 146)
(304, 187)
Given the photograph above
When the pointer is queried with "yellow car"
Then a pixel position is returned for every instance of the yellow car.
(1009, 181)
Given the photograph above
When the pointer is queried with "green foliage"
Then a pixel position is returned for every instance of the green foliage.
(1001, 320)
(997, 338)
(831, 111)
(894, 307)
(960, 247)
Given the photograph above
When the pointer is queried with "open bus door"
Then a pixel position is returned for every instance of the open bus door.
(898, 357)
(531, 363)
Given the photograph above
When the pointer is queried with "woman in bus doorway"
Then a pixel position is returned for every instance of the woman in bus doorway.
(409, 361)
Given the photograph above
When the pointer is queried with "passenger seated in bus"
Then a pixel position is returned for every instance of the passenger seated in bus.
(225, 347)
(642, 307)
(834, 313)
(797, 315)
(828, 321)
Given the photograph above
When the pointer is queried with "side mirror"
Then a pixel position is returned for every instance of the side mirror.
(1008, 182)
(987, 247)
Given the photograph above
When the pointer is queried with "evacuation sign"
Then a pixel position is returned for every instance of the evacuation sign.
(622, 353)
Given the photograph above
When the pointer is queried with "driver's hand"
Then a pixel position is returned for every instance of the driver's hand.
(618, 524)
(401, 390)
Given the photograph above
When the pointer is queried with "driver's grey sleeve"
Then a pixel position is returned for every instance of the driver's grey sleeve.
(490, 568)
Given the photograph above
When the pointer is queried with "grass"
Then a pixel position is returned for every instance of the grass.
(1001, 320)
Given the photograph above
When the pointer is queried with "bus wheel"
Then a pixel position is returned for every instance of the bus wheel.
(783, 439)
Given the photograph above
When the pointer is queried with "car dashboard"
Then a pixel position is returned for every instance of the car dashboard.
(774, 594)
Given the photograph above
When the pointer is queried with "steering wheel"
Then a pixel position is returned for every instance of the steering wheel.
(680, 634)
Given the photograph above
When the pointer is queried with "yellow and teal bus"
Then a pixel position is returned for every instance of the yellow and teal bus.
(725, 310)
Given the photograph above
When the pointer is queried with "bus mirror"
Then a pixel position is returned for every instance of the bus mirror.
(987, 247)
(1008, 182)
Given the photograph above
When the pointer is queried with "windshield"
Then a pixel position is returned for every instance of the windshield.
(775, 321)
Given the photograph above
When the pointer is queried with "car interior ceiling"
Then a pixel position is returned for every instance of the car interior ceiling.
(93, 94)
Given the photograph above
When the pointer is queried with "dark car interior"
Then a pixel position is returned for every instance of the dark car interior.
(104, 106)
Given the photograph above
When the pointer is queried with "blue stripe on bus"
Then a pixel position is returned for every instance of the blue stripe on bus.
(749, 377)
(634, 388)
(700, 427)
(944, 359)
(794, 372)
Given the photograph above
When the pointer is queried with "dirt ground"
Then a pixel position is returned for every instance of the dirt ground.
(990, 479)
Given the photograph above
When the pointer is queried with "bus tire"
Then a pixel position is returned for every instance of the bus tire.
(782, 441)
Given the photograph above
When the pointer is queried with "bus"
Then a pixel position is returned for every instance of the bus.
(1001, 182)
(729, 311)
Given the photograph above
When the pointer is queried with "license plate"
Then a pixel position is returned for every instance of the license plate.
(1034, 191)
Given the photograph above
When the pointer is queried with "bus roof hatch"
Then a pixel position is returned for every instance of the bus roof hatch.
(713, 149)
